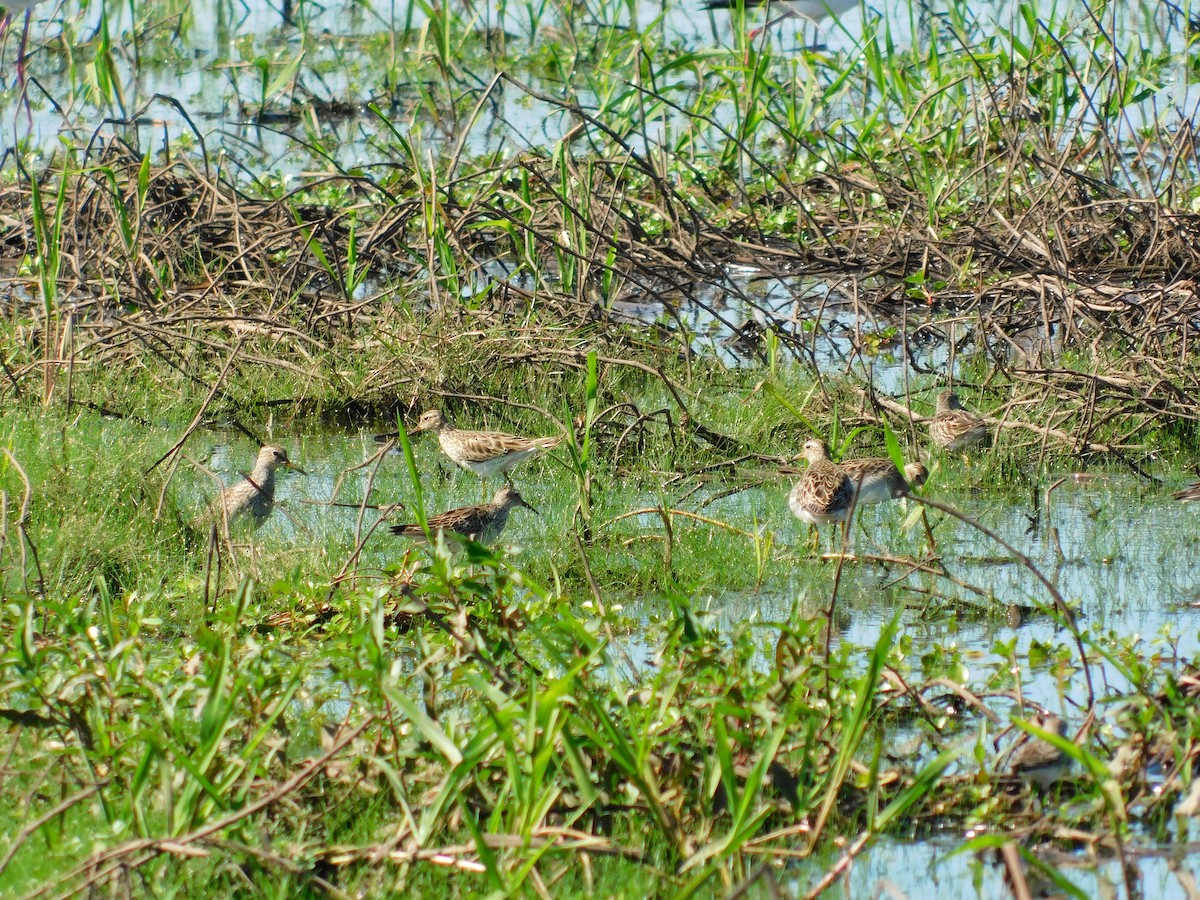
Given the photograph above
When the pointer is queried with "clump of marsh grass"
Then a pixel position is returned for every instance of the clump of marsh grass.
(445, 735)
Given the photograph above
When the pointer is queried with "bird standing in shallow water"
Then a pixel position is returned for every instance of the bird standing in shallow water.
(253, 498)
(954, 428)
(1040, 762)
(482, 522)
(485, 453)
(877, 480)
(825, 493)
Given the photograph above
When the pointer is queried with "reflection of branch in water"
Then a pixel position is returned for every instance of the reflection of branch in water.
(1060, 605)
(340, 505)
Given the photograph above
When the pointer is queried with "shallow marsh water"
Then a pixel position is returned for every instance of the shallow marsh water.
(1114, 545)
(915, 869)
(235, 52)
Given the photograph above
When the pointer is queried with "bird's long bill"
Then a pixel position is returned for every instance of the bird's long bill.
(530, 508)
(294, 467)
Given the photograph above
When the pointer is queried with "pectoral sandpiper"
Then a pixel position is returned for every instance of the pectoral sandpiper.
(253, 498)
(1040, 762)
(877, 480)
(482, 522)
(825, 493)
(954, 428)
(485, 453)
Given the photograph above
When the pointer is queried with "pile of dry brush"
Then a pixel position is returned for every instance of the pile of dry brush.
(174, 261)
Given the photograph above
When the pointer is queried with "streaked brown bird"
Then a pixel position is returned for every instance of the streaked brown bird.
(252, 499)
(877, 480)
(954, 428)
(824, 494)
(1039, 762)
(485, 453)
(482, 522)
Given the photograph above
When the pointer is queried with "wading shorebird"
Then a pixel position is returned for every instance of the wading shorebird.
(485, 453)
(954, 428)
(252, 499)
(482, 522)
(1039, 762)
(824, 494)
(813, 10)
(877, 480)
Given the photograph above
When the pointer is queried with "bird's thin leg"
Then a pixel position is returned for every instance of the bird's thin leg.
(862, 529)
(815, 46)
(846, 534)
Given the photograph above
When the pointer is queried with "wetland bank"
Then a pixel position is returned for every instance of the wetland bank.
(686, 254)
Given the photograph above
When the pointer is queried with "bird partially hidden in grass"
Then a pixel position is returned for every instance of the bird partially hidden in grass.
(954, 428)
(485, 453)
(252, 499)
(824, 495)
(828, 492)
(813, 10)
(877, 480)
(482, 522)
(1039, 762)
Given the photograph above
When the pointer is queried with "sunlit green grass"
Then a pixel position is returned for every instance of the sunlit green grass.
(178, 697)
(631, 677)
